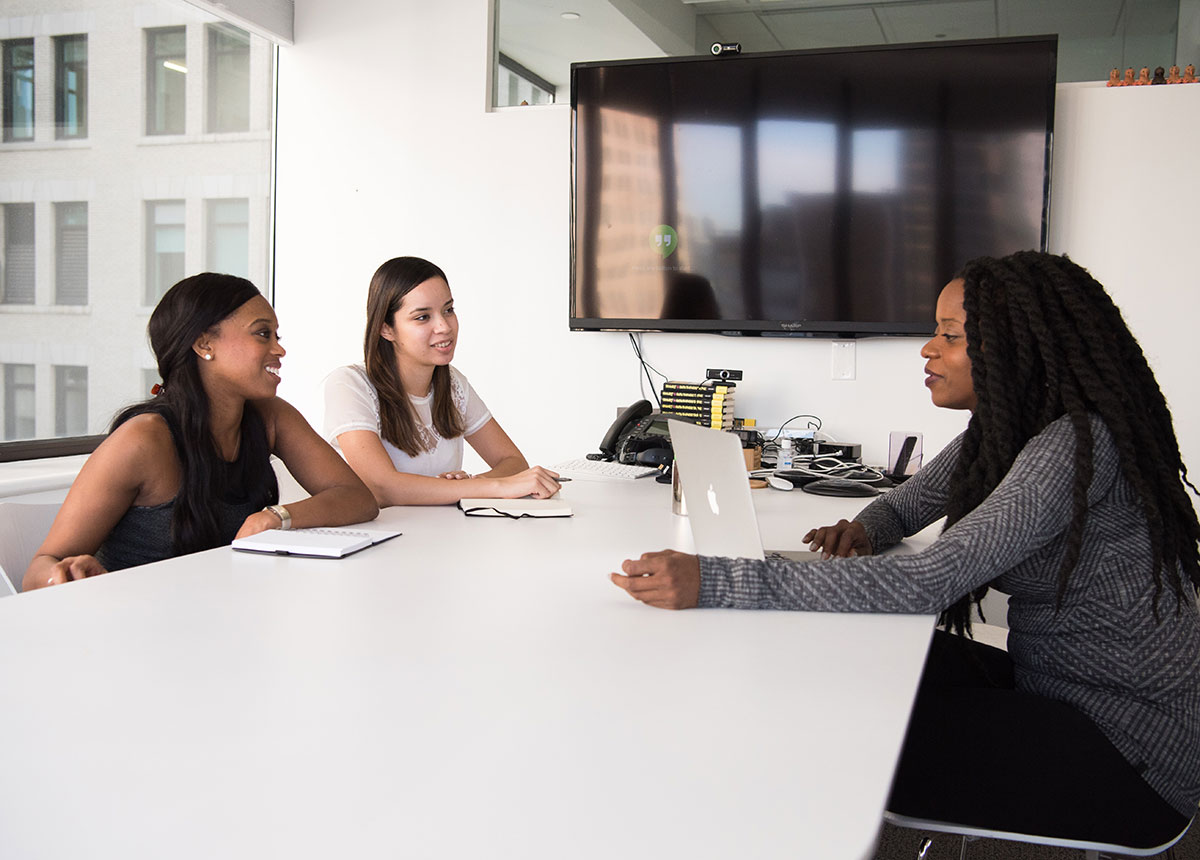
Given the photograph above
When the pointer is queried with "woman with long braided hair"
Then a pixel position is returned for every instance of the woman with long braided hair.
(1067, 492)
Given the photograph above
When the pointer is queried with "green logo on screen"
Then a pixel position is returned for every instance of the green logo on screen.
(664, 239)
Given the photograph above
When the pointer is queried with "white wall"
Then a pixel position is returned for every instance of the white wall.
(385, 149)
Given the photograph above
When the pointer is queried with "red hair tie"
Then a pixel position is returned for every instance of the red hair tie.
(157, 389)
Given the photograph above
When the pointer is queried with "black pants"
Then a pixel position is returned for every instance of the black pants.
(980, 753)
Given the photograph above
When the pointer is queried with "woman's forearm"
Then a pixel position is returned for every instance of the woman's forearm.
(506, 467)
(334, 506)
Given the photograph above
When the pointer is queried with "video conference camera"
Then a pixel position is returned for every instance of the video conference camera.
(721, 48)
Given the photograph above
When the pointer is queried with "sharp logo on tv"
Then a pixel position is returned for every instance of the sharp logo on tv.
(664, 239)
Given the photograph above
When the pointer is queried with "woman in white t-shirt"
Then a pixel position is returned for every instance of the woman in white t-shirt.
(400, 418)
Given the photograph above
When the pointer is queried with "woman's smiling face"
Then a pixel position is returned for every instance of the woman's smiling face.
(947, 367)
(424, 328)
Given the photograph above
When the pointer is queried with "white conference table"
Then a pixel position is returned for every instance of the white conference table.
(475, 688)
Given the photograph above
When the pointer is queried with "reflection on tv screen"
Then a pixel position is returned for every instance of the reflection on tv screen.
(807, 192)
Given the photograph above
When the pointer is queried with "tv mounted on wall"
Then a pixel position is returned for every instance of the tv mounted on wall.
(813, 193)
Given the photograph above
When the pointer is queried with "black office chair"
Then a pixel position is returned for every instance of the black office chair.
(1092, 850)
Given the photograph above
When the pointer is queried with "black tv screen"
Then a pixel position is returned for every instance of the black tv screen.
(827, 193)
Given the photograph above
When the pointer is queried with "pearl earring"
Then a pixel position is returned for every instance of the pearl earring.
(208, 356)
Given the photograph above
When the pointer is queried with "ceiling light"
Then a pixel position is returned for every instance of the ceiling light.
(570, 16)
(173, 66)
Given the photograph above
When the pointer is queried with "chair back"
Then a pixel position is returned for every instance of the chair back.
(1091, 850)
(22, 529)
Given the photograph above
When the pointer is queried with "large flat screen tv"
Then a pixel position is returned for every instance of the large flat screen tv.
(817, 193)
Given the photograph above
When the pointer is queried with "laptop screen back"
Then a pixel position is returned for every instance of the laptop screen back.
(716, 488)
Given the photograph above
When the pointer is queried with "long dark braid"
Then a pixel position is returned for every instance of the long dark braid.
(1045, 340)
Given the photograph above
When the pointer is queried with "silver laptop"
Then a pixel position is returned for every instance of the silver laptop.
(716, 488)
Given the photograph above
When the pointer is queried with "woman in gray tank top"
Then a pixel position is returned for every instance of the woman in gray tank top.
(189, 469)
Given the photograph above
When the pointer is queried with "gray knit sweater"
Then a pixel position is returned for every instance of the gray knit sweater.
(1102, 652)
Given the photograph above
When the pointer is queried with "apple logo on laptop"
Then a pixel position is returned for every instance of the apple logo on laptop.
(712, 501)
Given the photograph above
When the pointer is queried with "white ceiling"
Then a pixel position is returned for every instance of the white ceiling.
(534, 34)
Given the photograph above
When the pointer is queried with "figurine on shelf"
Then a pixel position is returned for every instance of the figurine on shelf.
(1160, 76)
(1189, 74)
(1173, 75)
(1114, 78)
(1129, 79)
(1143, 77)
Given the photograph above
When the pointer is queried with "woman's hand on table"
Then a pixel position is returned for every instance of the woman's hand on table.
(842, 539)
(536, 481)
(73, 567)
(666, 579)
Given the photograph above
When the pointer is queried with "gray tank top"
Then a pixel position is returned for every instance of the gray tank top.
(143, 535)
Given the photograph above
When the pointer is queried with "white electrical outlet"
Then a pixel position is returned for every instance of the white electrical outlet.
(841, 365)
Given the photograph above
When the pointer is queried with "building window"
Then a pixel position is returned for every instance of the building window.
(228, 78)
(166, 80)
(117, 126)
(229, 237)
(164, 247)
(70, 86)
(70, 400)
(18, 254)
(18, 89)
(19, 401)
(71, 254)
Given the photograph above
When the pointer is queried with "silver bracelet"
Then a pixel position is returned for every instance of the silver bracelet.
(285, 518)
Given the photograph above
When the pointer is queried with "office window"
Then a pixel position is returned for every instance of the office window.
(18, 89)
(166, 80)
(19, 401)
(71, 254)
(118, 130)
(70, 400)
(70, 86)
(164, 247)
(18, 254)
(228, 78)
(229, 237)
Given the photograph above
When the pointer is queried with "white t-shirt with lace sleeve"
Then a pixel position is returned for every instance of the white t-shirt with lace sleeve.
(352, 403)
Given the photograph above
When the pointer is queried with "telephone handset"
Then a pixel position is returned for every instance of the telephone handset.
(623, 426)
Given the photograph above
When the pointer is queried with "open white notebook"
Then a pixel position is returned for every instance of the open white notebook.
(320, 543)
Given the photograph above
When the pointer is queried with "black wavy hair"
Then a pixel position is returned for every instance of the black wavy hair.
(192, 307)
(1045, 340)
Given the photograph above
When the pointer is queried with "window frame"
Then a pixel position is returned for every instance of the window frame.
(214, 36)
(61, 92)
(215, 227)
(152, 207)
(6, 212)
(62, 210)
(153, 60)
(7, 74)
(10, 396)
(62, 388)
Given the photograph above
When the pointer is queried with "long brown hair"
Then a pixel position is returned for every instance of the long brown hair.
(397, 420)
